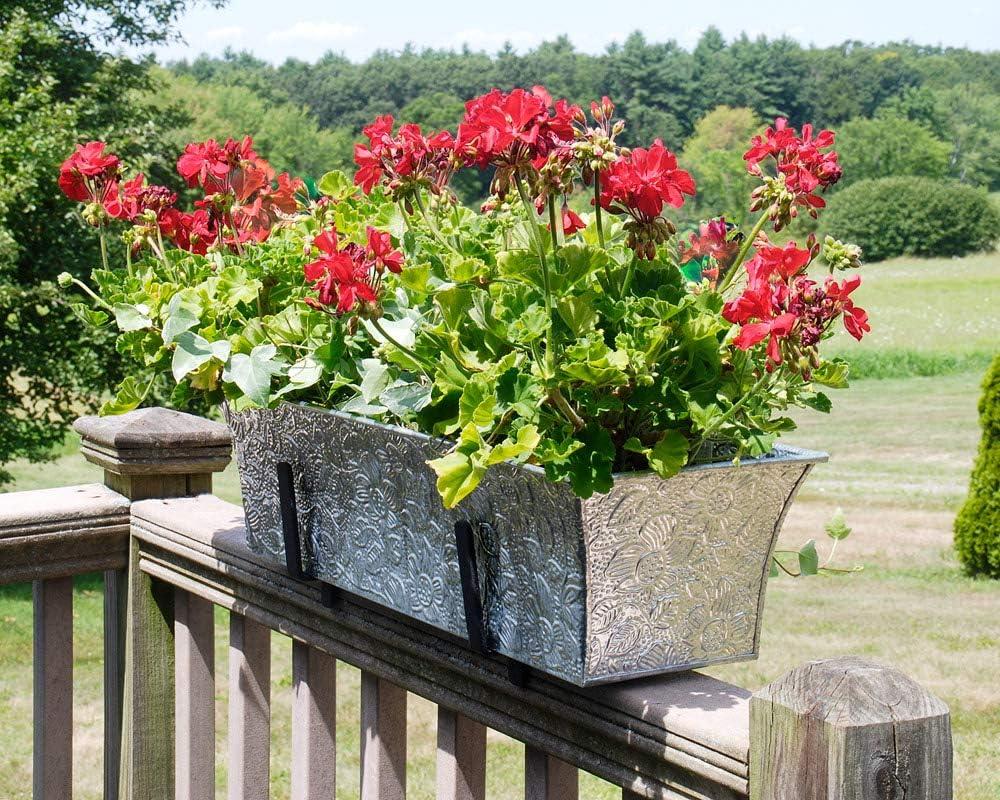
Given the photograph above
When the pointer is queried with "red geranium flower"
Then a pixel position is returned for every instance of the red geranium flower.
(211, 165)
(711, 241)
(404, 162)
(87, 170)
(644, 180)
(381, 252)
(772, 263)
(136, 197)
(571, 221)
(855, 318)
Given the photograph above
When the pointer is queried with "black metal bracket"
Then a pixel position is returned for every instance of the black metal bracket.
(290, 533)
(465, 543)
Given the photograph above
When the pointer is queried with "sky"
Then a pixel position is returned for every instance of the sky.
(278, 29)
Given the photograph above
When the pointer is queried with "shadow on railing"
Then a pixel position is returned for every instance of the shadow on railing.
(170, 552)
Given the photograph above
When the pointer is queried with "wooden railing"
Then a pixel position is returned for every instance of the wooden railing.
(842, 729)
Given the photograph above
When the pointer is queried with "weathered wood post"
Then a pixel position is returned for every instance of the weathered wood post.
(849, 729)
(148, 453)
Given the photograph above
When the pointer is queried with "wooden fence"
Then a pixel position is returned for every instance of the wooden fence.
(839, 729)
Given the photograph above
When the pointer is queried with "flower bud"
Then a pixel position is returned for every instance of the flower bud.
(64, 279)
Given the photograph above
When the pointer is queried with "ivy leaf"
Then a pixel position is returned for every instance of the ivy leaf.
(302, 374)
(808, 558)
(252, 373)
(774, 572)
(375, 377)
(131, 317)
(837, 527)
(403, 399)
(181, 316)
(669, 454)
(336, 185)
(129, 395)
(193, 350)
(832, 373)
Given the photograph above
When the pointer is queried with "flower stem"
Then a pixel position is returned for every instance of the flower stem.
(435, 231)
(104, 247)
(93, 296)
(426, 366)
(553, 226)
(736, 406)
(742, 254)
(558, 399)
(597, 208)
(549, 366)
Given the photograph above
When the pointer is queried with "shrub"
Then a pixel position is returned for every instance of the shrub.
(898, 216)
(977, 527)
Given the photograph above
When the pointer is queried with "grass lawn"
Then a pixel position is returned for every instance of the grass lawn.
(901, 449)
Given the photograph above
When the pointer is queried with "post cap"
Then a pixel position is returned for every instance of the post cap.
(155, 441)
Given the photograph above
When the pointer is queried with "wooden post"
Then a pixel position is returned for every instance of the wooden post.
(461, 757)
(148, 453)
(548, 778)
(849, 729)
(383, 739)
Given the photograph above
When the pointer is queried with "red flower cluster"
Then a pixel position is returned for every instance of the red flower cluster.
(90, 175)
(241, 203)
(711, 241)
(404, 162)
(511, 130)
(643, 181)
(349, 275)
(800, 159)
(789, 310)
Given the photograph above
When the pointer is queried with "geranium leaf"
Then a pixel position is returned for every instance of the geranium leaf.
(252, 373)
(579, 313)
(832, 373)
(458, 476)
(336, 185)
(669, 454)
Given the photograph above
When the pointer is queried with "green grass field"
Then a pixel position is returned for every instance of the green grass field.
(901, 448)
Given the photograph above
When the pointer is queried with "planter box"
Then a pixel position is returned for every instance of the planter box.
(657, 575)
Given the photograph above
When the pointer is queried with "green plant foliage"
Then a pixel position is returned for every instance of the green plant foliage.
(977, 526)
(891, 217)
(887, 146)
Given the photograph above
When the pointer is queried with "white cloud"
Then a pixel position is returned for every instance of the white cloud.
(319, 31)
(228, 34)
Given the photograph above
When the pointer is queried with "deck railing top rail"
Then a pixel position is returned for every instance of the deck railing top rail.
(833, 730)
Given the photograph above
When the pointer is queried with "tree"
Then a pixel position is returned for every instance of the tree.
(977, 526)
(888, 146)
(57, 88)
(714, 155)
(286, 134)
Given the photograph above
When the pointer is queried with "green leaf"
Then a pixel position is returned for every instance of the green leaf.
(336, 185)
(193, 350)
(837, 527)
(403, 399)
(131, 317)
(478, 404)
(579, 313)
(515, 449)
(129, 395)
(458, 477)
(774, 572)
(302, 374)
(808, 558)
(90, 316)
(819, 401)
(375, 377)
(414, 277)
(669, 454)
(252, 373)
(181, 316)
(832, 373)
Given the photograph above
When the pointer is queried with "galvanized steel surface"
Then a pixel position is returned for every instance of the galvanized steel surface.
(653, 576)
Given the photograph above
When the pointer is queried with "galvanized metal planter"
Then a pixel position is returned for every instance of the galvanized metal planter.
(656, 575)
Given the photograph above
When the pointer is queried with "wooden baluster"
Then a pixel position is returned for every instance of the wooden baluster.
(548, 778)
(53, 693)
(383, 739)
(194, 659)
(249, 709)
(314, 721)
(461, 757)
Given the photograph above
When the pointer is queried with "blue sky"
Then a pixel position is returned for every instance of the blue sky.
(278, 29)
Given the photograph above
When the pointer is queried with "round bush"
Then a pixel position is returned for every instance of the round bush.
(977, 527)
(899, 216)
